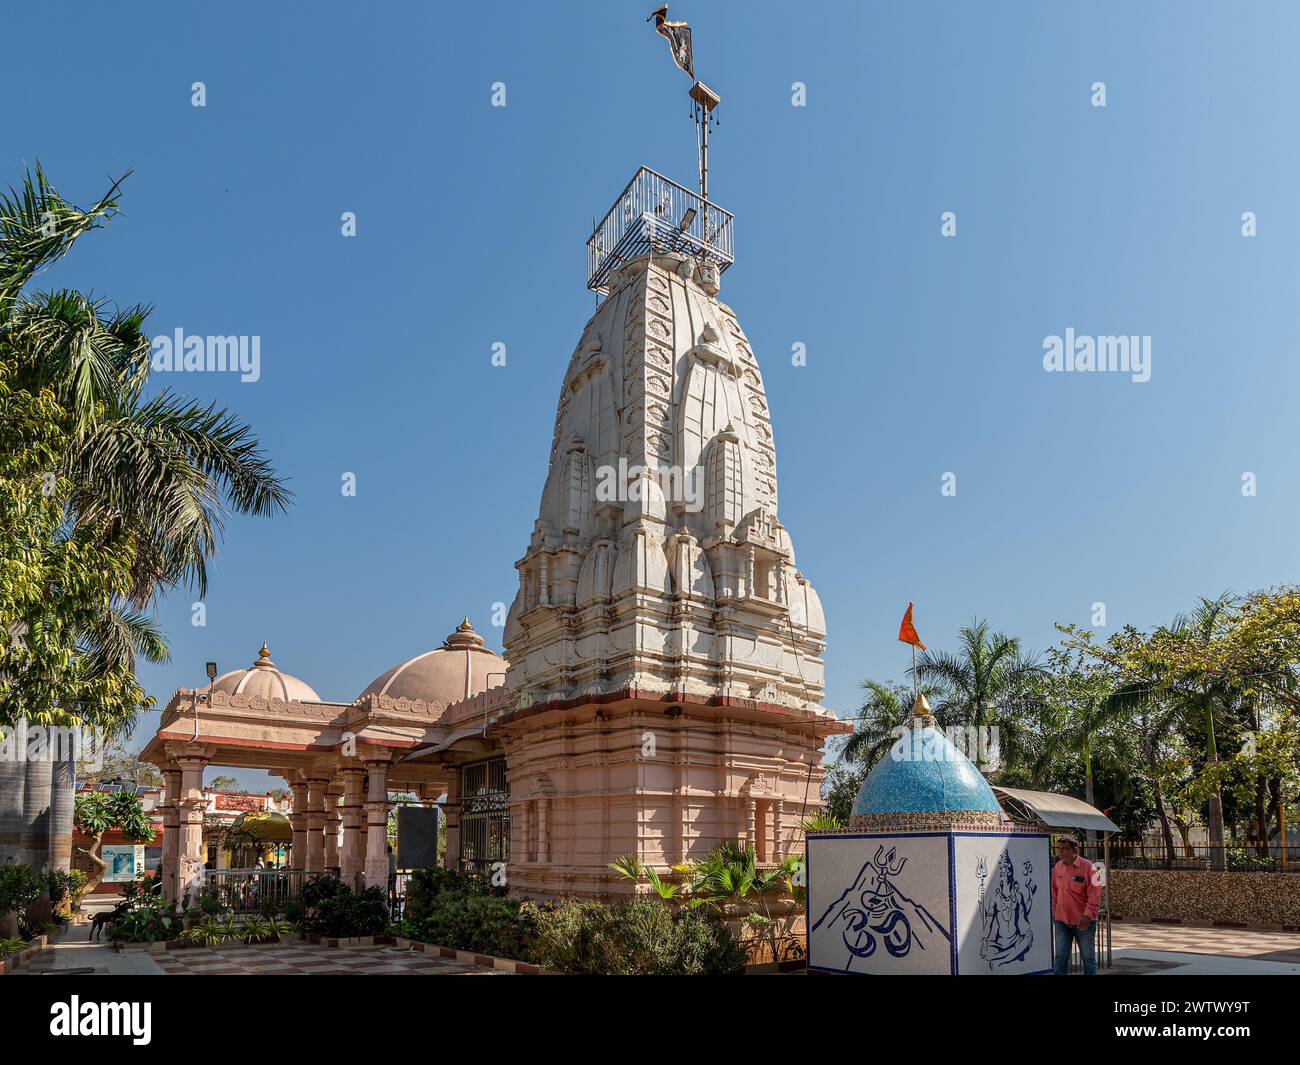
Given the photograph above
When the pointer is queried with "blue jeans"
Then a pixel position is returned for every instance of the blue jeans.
(1065, 934)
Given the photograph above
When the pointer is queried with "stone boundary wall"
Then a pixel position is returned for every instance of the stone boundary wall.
(1262, 900)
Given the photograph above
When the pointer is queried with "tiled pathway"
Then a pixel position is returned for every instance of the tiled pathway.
(306, 959)
(1175, 950)
(74, 953)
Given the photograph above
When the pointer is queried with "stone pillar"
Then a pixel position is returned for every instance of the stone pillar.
(352, 860)
(377, 825)
(544, 829)
(778, 831)
(298, 818)
(189, 869)
(316, 824)
(171, 832)
(332, 820)
(452, 813)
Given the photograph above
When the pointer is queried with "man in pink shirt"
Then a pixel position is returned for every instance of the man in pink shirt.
(1076, 894)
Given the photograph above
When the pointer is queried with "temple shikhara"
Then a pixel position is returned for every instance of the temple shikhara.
(661, 685)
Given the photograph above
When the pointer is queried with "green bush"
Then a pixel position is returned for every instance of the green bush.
(66, 887)
(345, 913)
(486, 924)
(640, 936)
(11, 946)
(318, 889)
(148, 920)
(20, 886)
(427, 889)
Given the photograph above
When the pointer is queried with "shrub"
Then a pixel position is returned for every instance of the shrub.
(66, 887)
(345, 913)
(428, 888)
(146, 916)
(707, 946)
(638, 936)
(318, 889)
(208, 933)
(20, 886)
(486, 924)
(256, 929)
(11, 946)
(147, 921)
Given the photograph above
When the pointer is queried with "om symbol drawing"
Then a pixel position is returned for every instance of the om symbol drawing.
(874, 912)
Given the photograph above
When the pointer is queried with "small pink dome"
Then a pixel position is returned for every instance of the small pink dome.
(461, 667)
(264, 680)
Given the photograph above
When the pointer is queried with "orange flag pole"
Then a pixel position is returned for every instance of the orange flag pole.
(907, 634)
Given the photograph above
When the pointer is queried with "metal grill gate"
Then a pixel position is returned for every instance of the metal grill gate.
(484, 813)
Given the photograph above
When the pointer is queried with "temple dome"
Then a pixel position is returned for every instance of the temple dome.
(461, 667)
(262, 679)
(924, 781)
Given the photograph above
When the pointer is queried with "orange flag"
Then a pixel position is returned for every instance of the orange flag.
(907, 631)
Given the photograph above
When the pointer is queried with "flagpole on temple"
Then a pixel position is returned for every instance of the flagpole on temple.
(678, 36)
(907, 634)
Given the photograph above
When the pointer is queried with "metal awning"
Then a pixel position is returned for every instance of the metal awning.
(1058, 811)
(473, 732)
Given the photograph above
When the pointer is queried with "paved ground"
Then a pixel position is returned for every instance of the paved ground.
(1139, 949)
(74, 952)
(1172, 950)
(306, 959)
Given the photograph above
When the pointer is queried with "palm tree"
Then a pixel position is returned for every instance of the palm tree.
(156, 473)
(1082, 717)
(980, 686)
(882, 713)
(1199, 694)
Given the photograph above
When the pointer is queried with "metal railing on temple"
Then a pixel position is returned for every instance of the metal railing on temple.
(252, 890)
(654, 213)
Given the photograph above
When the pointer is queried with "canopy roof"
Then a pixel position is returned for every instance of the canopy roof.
(259, 825)
(1059, 811)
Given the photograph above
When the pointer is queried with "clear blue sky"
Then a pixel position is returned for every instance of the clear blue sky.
(924, 353)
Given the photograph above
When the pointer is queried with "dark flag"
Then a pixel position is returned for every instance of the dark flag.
(678, 36)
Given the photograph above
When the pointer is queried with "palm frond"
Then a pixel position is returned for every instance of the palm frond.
(38, 227)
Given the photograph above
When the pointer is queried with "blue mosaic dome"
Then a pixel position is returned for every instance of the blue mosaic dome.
(924, 773)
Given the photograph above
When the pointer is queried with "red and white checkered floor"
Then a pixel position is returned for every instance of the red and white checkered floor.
(307, 959)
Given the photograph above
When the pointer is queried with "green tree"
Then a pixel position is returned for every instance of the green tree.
(881, 719)
(99, 813)
(983, 685)
(1079, 719)
(109, 497)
